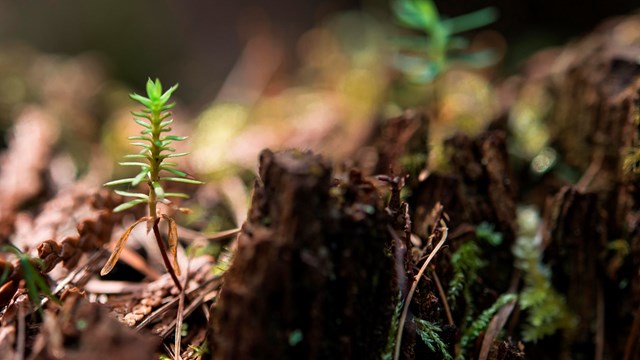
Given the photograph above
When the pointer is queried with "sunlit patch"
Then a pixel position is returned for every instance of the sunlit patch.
(544, 161)
(215, 130)
(526, 121)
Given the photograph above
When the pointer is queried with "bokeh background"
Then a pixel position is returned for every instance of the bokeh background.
(198, 42)
(255, 74)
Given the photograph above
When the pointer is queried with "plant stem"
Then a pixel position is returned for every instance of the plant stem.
(403, 318)
(163, 252)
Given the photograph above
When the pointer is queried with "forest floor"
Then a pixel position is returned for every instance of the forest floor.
(518, 240)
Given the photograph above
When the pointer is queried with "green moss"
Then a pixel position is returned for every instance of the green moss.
(430, 335)
(480, 324)
(393, 330)
(466, 262)
(547, 311)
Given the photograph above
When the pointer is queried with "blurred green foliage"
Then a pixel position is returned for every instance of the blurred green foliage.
(33, 280)
(547, 311)
(423, 57)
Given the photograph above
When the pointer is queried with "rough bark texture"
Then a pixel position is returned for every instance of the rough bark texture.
(594, 83)
(574, 238)
(401, 145)
(312, 277)
(478, 188)
(591, 234)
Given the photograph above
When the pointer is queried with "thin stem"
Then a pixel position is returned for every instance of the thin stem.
(163, 252)
(443, 296)
(407, 302)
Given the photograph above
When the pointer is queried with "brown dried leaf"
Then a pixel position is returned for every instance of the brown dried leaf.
(495, 326)
(172, 241)
(118, 248)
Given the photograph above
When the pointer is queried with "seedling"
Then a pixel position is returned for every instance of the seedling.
(155, 121)
(426, 56)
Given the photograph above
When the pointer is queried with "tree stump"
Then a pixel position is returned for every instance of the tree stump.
(312, 276)
(592, 228)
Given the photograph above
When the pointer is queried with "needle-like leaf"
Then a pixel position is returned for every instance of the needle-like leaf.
(166, 122)
(137, 156)
(179, 195)
(141, 99)
(143, 123)
(140, 137)
(130, 194)
(119, 182)
(175, 171)
(134, 163)
(176, 138)
(183, 180)
(140, 176)
(174, 155)
(128, 205)
(144, 145)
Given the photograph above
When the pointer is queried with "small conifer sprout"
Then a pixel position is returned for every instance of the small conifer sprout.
(155, 143)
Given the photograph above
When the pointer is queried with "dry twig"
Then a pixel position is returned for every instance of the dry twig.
(403, 318)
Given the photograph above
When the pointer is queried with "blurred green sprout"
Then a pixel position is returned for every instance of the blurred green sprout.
(33, 280)
(423, 57)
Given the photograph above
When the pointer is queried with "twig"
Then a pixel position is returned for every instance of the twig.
(405, 310)
(163, 252)
(194, 304)
(21, 334)
(95, 258)
(400, 252)
(190, 234)
(168, 350)
(633, 337)
(600, 321)
(164, 308)
(443, 297)
(180, 315)
(178, 332)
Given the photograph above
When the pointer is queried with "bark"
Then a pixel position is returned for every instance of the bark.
(313, 274)
(594, 85)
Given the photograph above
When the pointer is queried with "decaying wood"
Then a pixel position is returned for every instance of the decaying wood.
(401, 146)
(592, 234)
(574, 239)
(312, 277)
(488, 188)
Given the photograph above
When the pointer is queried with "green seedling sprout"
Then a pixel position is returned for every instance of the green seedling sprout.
(426, 56)
(155, 121)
